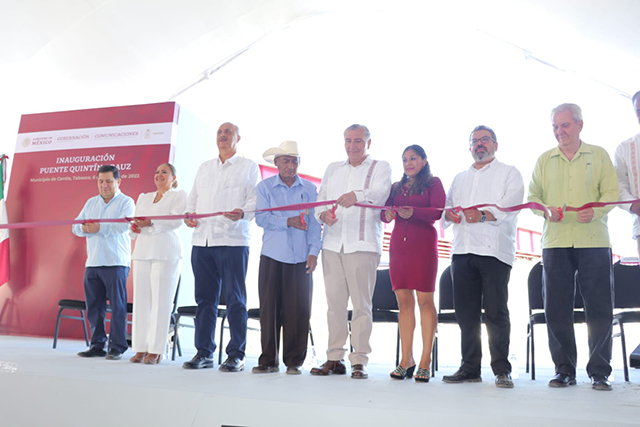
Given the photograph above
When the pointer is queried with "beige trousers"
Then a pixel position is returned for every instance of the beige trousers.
(349, 275)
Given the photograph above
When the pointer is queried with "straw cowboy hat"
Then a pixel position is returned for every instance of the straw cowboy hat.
(287, 148)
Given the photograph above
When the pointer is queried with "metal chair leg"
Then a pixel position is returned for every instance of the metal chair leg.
(55, 335)
(434, 355)
(176, 335)
(313, 346)
(84, 325)
(623, 340)
(350, 345)
(398, 347)
(437, 354)
(177, 343)
(533, 355)
(528, 344)
(221, 337)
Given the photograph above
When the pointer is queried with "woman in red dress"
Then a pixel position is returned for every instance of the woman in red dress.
(414, 256)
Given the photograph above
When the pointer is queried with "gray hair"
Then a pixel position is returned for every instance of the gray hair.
(635, 96)
(576, 112)
(367, 134)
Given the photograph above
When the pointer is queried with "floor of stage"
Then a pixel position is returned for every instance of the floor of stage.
(44, 387)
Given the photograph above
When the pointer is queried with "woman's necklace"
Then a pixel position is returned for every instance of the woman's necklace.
(405, 189)
(158, 197)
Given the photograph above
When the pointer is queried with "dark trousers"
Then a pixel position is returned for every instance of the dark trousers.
(102, 284)
(285, 303)
(216, 268)
(591, 268)
(477, 281)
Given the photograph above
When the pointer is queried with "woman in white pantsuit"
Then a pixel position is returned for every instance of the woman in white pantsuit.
(157, 259)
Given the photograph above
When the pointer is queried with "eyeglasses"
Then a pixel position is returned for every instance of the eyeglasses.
(484, 140)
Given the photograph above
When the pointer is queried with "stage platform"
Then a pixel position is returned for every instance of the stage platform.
(40, 386)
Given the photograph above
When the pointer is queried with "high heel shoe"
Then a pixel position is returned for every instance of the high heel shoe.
(152, 359)
(138, 357)
(400, 373)
(423, 375)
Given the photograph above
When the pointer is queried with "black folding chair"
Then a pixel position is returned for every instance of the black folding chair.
(446, 311)
(81, 307)
(627, 299)
(536, 312)
(385, 306)
(189, 311)
(71, 304)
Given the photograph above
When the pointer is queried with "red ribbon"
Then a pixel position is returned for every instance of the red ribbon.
(303, 206)
(304, 224)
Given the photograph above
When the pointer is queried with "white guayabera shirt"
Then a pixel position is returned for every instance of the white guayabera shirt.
(496, 183)
(358, 229)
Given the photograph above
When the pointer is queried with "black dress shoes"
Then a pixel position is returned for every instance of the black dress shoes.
(294, 370)
(461, 376)
(330, 367)
(198, 362)
(114, 354)
(264, 369)
(504, 380)
(600, 382)
(93, 352)
(562, 380)
(232, 364)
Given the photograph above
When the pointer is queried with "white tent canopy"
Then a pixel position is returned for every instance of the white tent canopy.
(69, 54)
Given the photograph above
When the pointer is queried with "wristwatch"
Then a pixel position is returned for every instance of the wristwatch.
(484, 217)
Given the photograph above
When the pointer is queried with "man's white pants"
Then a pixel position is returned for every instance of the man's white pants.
(349, 275)
(154, 287)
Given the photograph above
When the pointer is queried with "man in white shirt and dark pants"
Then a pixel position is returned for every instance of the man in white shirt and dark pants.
(220, 250)
(627, 164)
(482, 255)
(351, 249)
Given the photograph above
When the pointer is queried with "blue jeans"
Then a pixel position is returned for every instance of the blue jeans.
(102, 284)
(216, 269)
(592, 271)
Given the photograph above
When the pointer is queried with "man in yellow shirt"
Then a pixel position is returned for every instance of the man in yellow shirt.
(575, 246)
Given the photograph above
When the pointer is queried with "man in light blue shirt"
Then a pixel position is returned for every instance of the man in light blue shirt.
(290, 247)
(107, 266)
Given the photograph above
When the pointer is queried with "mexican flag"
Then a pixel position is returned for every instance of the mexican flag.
(4, 233)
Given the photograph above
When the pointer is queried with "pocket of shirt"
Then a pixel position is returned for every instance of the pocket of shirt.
(588, 176)
(233, 195)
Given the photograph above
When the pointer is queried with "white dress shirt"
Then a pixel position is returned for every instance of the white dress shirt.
(495, 183)
(627, 164)
(357, 229)
(223, 187)
(161, 240)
